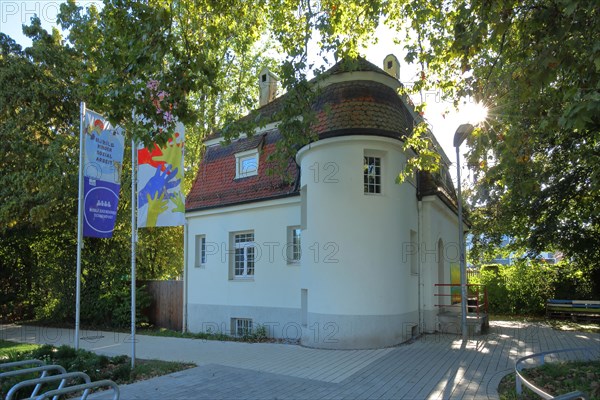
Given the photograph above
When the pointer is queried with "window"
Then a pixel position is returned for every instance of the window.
(246, 163)
(200, 258)
(243, 261)
(294, 251)
(372, 174)
(241, 327)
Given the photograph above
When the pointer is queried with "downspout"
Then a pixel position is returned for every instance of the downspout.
(185, 276)
(420, 239)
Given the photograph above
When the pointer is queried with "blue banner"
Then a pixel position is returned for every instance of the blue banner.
(100, 208)
(103, 161)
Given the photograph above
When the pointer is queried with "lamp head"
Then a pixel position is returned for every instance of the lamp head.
(461, 134)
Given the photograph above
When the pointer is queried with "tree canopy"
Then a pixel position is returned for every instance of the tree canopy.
(534, 63)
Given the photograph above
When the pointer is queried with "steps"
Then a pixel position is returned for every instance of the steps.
(450, 322)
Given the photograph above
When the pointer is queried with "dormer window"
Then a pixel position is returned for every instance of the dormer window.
(246, 164)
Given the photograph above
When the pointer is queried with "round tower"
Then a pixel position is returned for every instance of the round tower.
(360, 289)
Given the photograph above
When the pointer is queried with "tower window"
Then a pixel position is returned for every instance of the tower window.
(372, 174)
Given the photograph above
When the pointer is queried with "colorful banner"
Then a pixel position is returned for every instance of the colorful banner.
(455, 291)
(160, 173)
(102, 164)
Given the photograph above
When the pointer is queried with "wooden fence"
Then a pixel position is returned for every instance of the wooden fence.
(472, 273)
(166, 308)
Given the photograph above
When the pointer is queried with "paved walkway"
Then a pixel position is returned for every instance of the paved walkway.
(437, 366)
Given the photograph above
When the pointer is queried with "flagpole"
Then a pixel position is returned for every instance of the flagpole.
(133, 245)
(79, 224)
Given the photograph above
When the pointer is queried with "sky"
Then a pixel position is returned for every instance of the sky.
(15, 13)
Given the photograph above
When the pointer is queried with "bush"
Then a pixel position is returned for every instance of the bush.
(525, 286)
(529, 285)
(497, 290)
(120, 305)
(113, 308)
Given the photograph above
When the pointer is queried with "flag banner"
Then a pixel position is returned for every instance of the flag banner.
(102, 164)
(160, 174)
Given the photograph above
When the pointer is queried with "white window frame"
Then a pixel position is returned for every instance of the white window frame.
(366, 186)
(248, 256)
(239, 162)
(200, 256)
(241, 327)
(293, 247)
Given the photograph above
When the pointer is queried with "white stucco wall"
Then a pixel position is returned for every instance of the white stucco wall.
(272, 296)
(438, 222)
(354, 287)
(359, 281)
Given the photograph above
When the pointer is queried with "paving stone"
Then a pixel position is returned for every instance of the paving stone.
(437, 366)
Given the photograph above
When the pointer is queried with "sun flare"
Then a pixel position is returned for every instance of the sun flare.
(474, 113)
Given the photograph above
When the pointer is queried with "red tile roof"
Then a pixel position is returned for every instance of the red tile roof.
(345, 108)
(216, 186)
(371, 107)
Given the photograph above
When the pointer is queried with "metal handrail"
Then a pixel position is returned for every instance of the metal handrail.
(85, 387)
(476, 297)
(39, 382)
(520, 380)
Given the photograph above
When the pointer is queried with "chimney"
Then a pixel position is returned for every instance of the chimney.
(392, 66)
(267, 86)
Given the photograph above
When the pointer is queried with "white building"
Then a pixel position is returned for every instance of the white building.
(340, 255)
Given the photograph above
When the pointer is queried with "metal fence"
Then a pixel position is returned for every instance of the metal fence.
(538, 359)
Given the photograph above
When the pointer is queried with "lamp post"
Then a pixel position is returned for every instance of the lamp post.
(461, 134)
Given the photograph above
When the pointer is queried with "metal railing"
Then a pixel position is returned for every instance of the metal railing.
(84, 387)
(477, 297)
(39, 382)
(541, 359)
(64, 378)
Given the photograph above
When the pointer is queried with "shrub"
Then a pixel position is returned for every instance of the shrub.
(525, 286)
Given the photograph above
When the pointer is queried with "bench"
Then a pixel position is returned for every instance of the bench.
(577, 310)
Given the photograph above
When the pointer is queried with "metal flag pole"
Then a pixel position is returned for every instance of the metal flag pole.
(133, 245)
(79, 224)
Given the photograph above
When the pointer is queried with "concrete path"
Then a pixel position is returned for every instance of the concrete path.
(437, 366)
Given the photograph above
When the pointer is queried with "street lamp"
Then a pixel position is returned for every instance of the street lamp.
(461, 134)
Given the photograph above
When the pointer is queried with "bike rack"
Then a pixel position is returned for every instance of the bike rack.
(85, 387)
(43, 369)
(63, 378)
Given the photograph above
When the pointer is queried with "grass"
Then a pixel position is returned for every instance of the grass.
(163, 332)
(96, 366)
(9, 350)
(556, 379)
(259, 335)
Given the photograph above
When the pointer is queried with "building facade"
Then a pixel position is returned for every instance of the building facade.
(333, 253)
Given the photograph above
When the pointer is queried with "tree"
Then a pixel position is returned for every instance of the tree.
(536, 64)
(39, 123)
